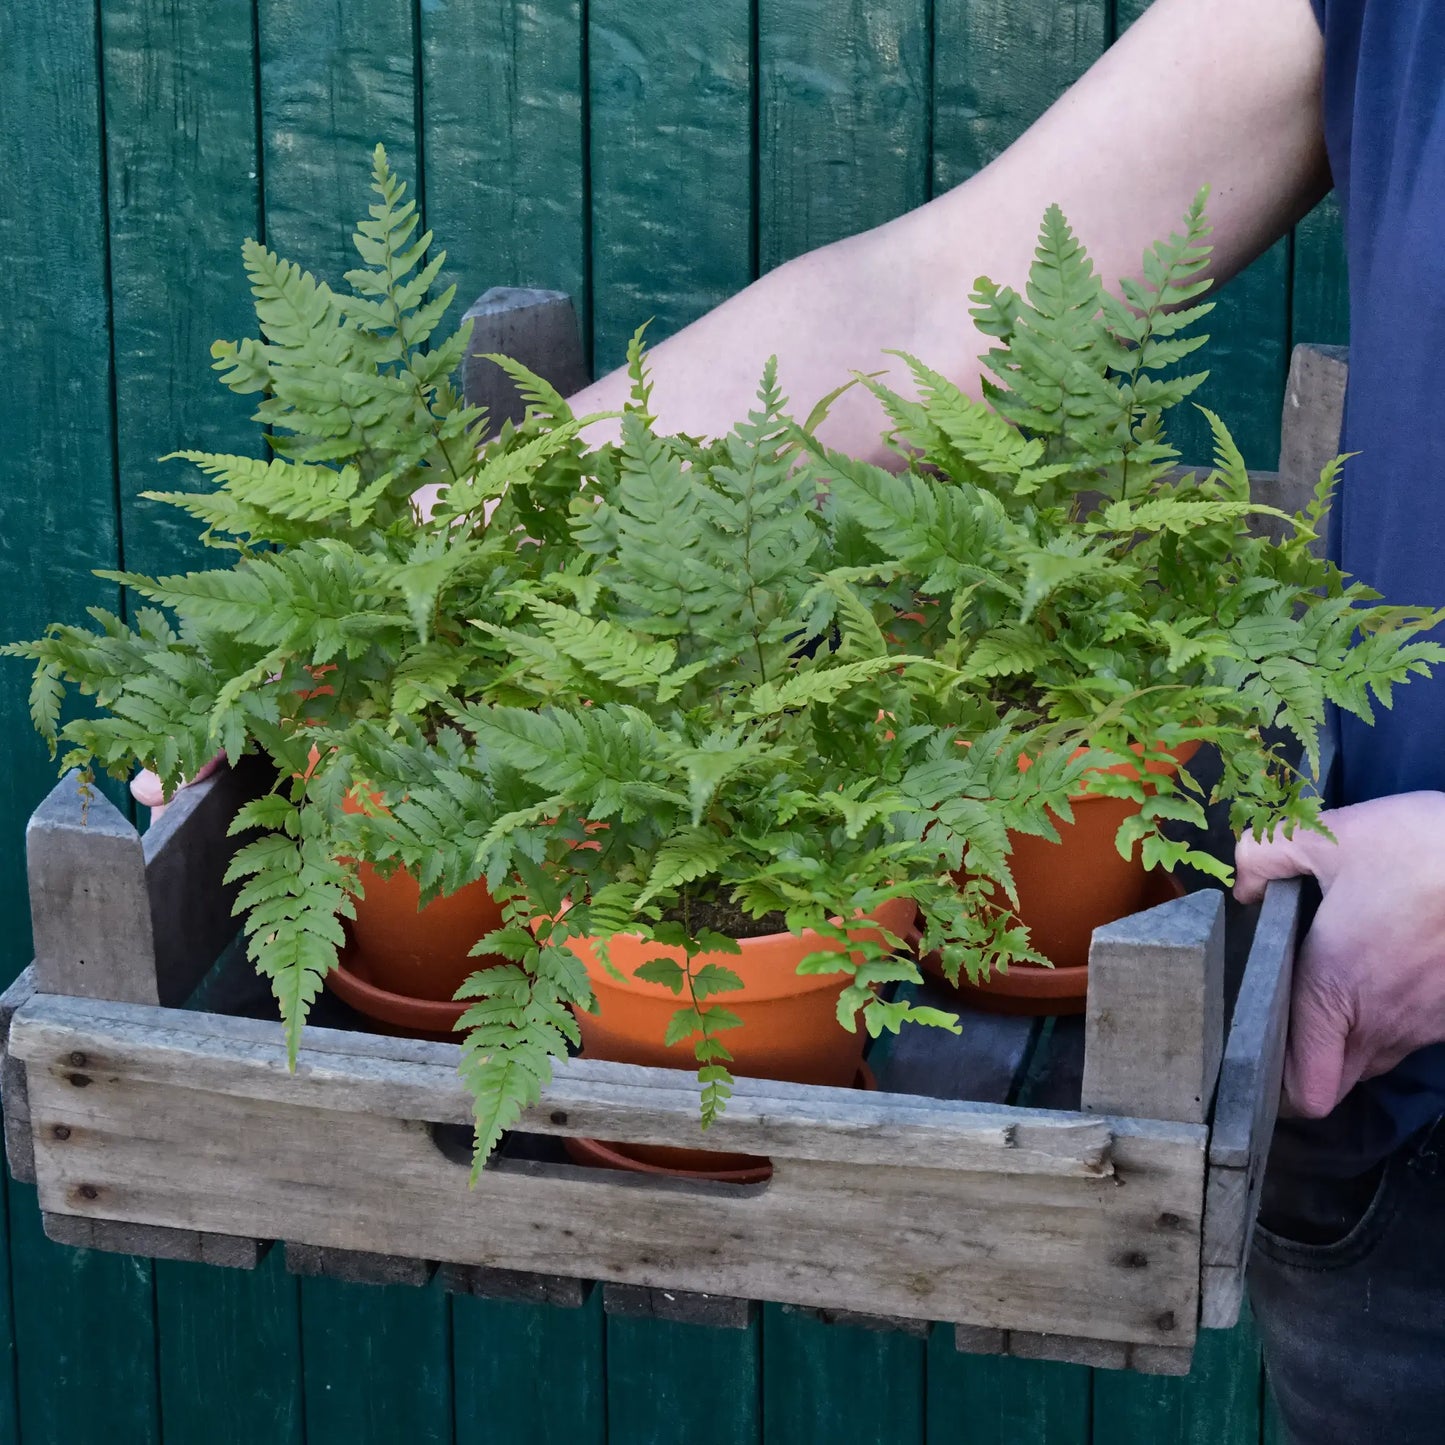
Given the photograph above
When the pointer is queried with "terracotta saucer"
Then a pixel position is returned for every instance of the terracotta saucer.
(393, 1013)
(1032, 990)
(736, 1168)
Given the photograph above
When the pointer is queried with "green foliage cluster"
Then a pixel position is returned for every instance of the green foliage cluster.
(337, 602)
(1045, 545)
(669, 682)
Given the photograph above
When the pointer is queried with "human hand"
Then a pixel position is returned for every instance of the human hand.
(1369, 981)
(146, 788)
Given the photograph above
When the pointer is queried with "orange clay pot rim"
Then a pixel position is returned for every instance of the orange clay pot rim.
(404, 1011)
(785, 983)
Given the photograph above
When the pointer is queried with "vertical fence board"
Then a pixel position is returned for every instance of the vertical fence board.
(9, 1417)
(85, 1337)
(997, 66)
(183, 194)
(1217, 1402)
(498, 1344)
(1321, 293)
(502, 132)
(671, 137)
(378, 1364)
(989, 1400)
(672, 1383)
(843, 119)
(335, 80)
(1248, 353)
(836, 1384)
(230, 1356)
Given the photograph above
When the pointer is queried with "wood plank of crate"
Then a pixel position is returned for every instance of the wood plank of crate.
(537, 328)
(189, 1120)
(357, 1266)
(189, 1246)
(19, 1143)
(1071, 1350)
(119, 916)
(1154, 1022)
(1249, 1090)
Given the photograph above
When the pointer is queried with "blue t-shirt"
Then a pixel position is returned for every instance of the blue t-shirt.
(1384, 114)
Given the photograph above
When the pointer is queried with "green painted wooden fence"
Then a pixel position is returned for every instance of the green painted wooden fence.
(651, 160)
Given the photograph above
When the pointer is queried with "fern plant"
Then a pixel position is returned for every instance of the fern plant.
(706, 735)
(338, 605)
(1044, 546)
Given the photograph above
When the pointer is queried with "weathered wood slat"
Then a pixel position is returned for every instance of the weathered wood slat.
(679, 1306)
(1111, 1257)
(188, 1246)
(89, 907)
(356, 1266)
(369, 1074)
(537, 328)
(1312, 419)
(515, 1284)
(879, 1324)
(19, 1142)
(1154, 1027)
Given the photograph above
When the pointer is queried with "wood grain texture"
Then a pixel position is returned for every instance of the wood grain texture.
(843, 120)
(1111, 1256)
(183, 192)
(997, 66)
(1320, 293)
(14, 1095)
(668, 1383)
(537, 328)
(378, 1364)
(89, 906)
(119, 1237)
(997, 1401)
(229, 1354)
(368, 1074)
(559, 1352)
(637, 1302)
(838, 1384)
(503, 135)
(1218, 1402)
(334, 81)
(85, 1335)
(1154, 1026)
(1313, 417)
(356, 1266)
(515, 1285)
(671, 137)
(1248, 352)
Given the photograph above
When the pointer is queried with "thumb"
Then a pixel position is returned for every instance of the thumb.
(1258, 861)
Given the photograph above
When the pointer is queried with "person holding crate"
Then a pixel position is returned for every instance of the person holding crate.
(1271, 102)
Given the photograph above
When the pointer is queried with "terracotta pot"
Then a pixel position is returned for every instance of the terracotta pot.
(1068, 889)
(400, 952)
(789, 1030)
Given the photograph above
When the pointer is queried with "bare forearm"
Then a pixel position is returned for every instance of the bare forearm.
(1224, 92)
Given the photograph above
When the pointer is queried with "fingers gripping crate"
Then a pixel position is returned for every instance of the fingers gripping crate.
(1083, 1190)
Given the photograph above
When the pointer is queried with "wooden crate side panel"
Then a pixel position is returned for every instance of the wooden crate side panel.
(968, 1245)
(496, 1343)
(671, 155)
(184, 192)
(843, 120)
(504, 143)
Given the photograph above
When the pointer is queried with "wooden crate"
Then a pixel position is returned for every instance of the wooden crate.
(1077, 1189)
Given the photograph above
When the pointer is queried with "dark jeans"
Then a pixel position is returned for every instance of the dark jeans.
(1347, 1282)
